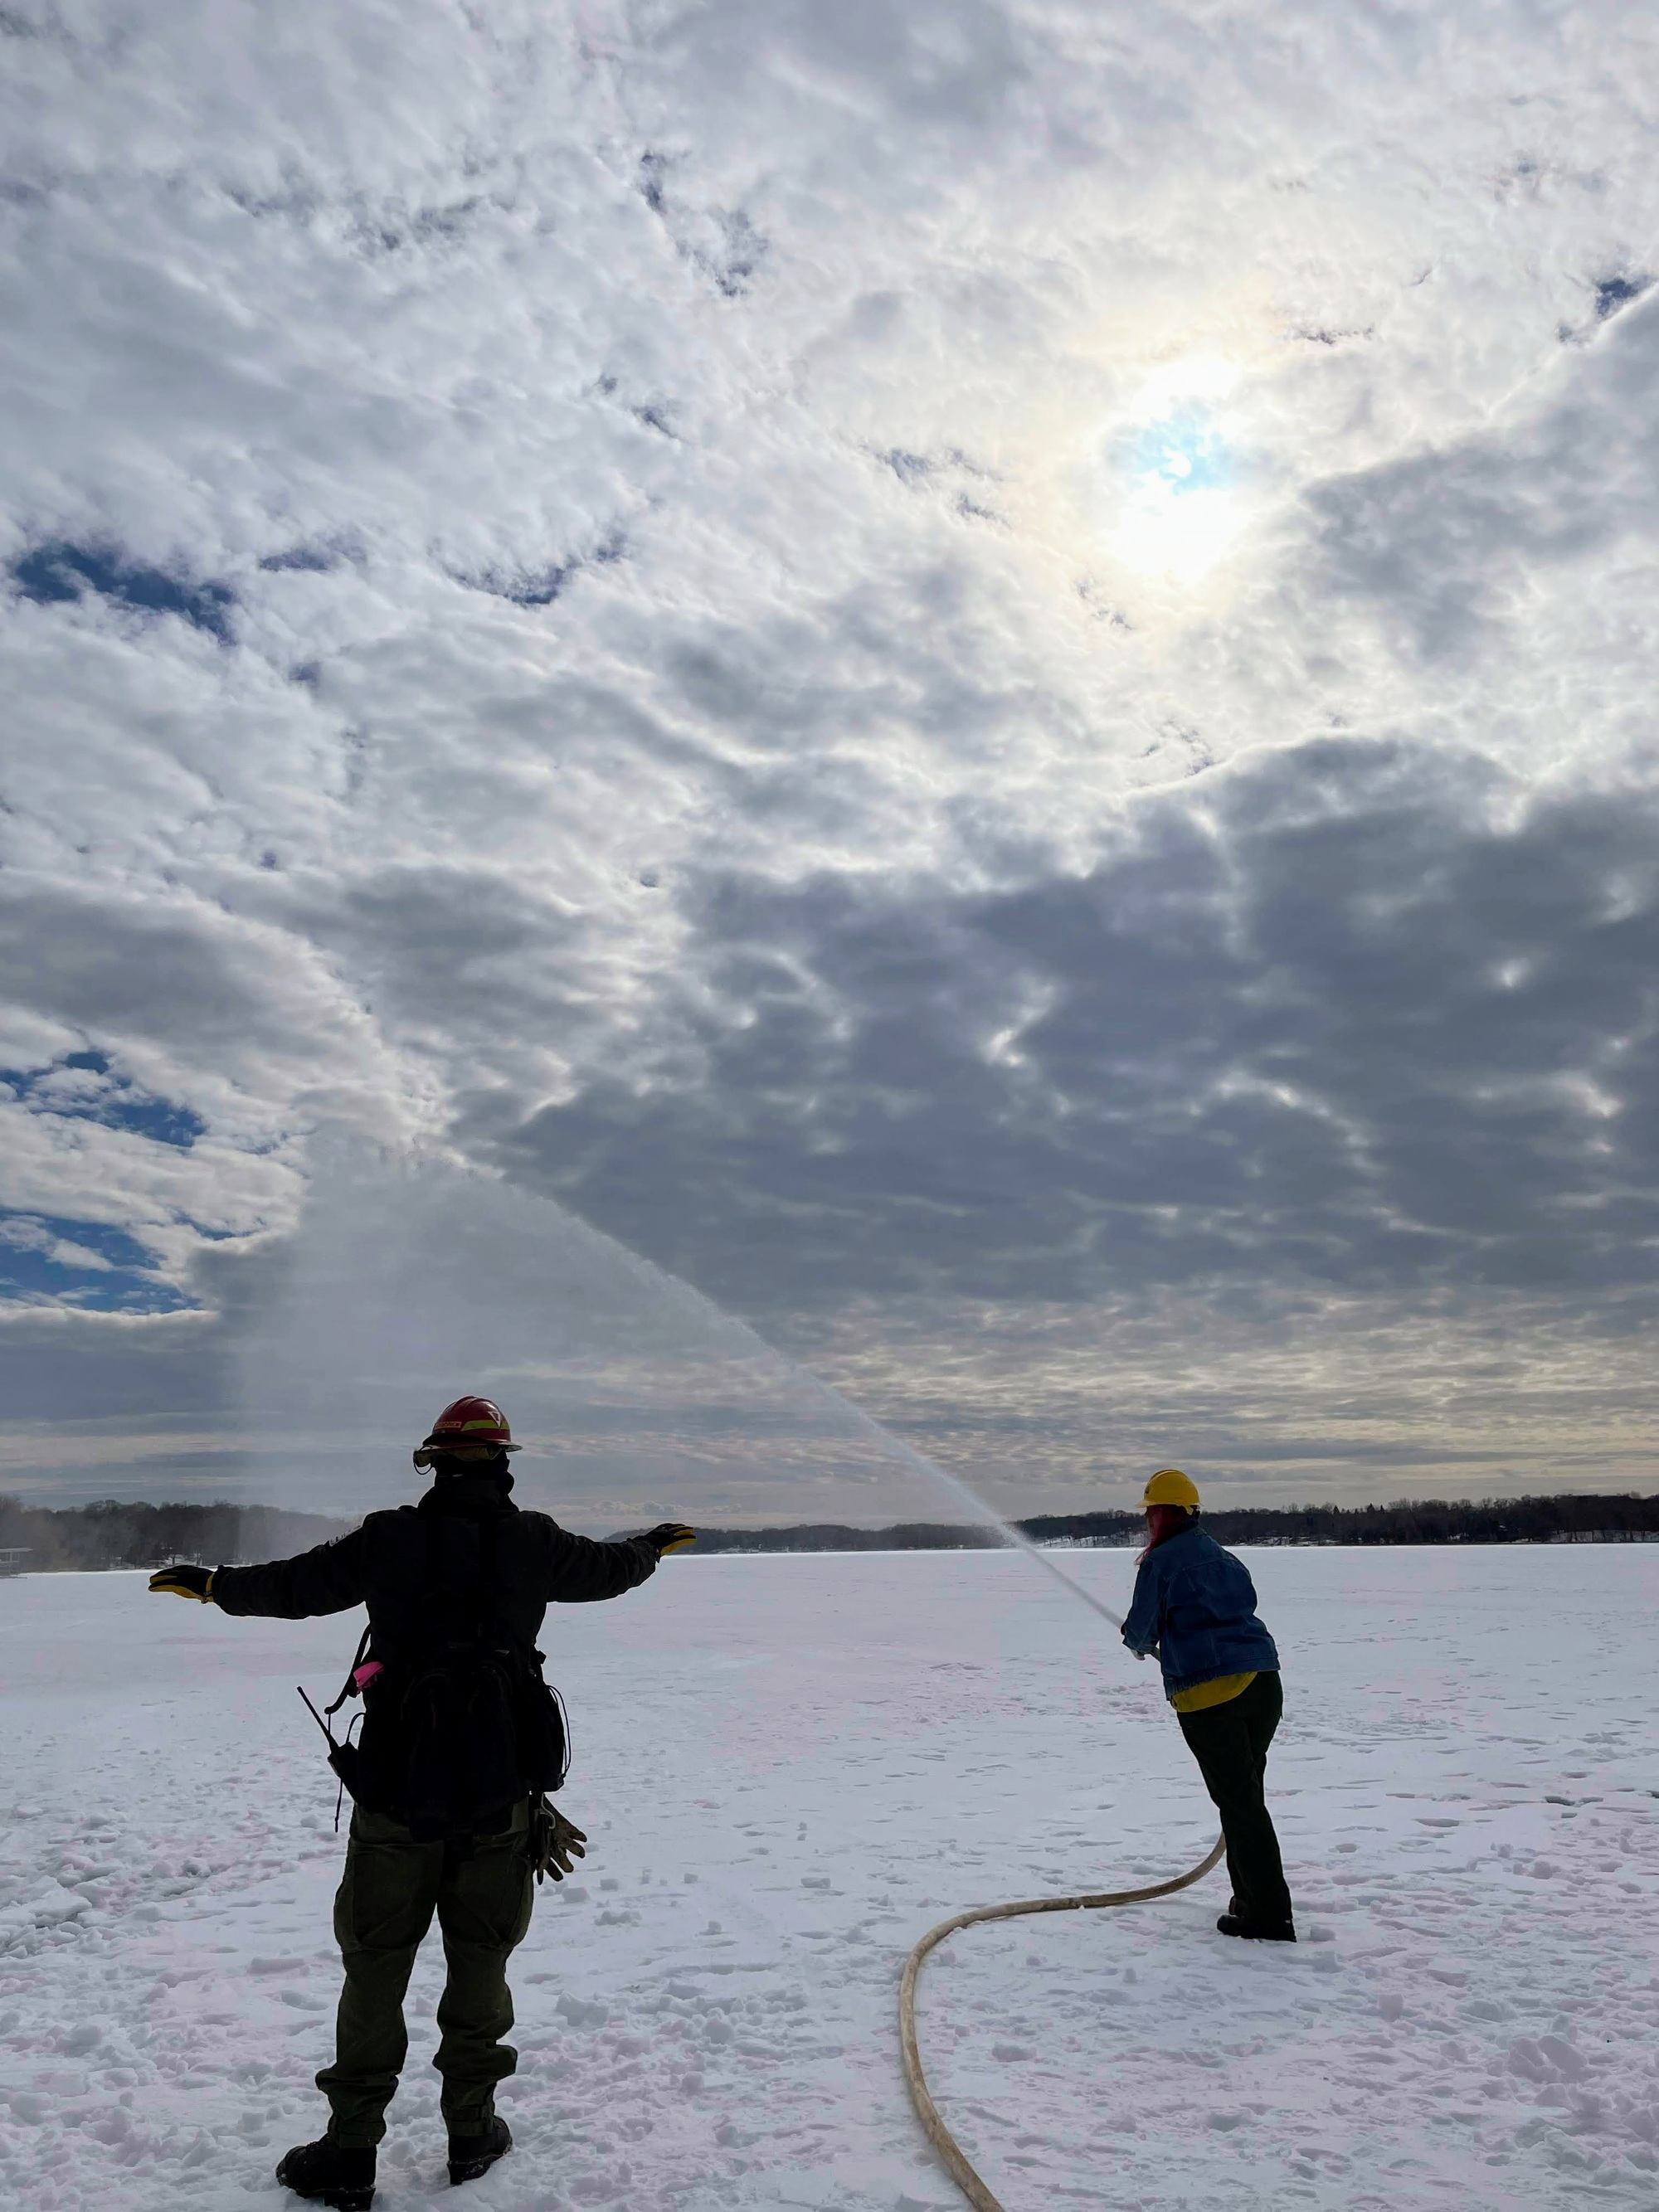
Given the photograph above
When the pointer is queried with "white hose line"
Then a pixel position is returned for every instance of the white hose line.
(927, 2110)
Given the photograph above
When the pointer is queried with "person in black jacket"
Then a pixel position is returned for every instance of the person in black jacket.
(447, 1814)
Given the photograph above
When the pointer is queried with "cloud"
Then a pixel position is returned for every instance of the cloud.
(1351, 1015)
(963, 661)
(1443, 542)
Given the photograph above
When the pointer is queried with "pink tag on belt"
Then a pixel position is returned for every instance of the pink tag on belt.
(363, 1675)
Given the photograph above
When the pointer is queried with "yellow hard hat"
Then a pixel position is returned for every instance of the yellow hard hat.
(1170, 1486)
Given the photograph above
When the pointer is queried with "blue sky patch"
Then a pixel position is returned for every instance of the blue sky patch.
(534, 591)
(1184, 452)
(312, 560)
(82, 1263)
(59, 571)
(85, 1087)
(1615, 292)
(540, 587)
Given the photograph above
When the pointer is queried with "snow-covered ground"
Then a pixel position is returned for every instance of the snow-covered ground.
(790, 1768)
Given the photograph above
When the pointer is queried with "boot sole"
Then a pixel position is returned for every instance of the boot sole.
(471, 2169)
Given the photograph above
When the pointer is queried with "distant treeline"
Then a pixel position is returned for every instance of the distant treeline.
(113, 1534)
(1412, 1521)
(830, 1536)
(1409, 1521)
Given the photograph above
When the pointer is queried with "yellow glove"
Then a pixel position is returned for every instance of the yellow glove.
(670, 1536)
(185, 1581)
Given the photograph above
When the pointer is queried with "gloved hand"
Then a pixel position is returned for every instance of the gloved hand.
(555, 1842)
(670, 1536)
(185, 1581)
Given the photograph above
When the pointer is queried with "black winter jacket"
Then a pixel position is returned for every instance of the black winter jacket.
(464, 1544)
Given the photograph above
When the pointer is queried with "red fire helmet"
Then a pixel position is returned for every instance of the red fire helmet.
(467, 1425)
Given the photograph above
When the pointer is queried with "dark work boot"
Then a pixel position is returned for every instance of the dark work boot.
(1259, 1931)
(329, 2174)
(471, 2155)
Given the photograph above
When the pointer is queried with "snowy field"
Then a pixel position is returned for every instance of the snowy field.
(790, 1768)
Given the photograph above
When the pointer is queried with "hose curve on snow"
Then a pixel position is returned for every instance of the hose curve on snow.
(927, 2110)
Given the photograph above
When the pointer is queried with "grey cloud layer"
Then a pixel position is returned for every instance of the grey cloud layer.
(1442, 544)
(1351, 1015)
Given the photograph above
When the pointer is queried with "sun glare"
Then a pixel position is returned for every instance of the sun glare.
(1177, 508)
(1172, 475)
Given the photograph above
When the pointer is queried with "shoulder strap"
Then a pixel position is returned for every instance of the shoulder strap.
(348, 1688)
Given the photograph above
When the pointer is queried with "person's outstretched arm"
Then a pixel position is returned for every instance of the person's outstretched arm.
(580, 1570)
(1145, 1624)
(330, 1579)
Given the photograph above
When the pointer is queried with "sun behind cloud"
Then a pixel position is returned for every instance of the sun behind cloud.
(1170, 478)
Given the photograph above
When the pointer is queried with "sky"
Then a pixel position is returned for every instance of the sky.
(978, 677)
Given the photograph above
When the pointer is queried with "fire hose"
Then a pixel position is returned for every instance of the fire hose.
(972, 2187)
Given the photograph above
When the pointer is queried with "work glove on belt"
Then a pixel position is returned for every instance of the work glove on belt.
(185, 1581)
(670, 1536)
(555, 1842)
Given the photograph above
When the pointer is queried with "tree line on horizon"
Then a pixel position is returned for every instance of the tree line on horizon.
(113, 1532)
(1609, 1517)
(1588, 1517)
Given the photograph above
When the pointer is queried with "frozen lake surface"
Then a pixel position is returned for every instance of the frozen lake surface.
(789, 1769)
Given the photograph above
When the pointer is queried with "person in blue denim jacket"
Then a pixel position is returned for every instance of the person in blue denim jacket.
(1194, 1606)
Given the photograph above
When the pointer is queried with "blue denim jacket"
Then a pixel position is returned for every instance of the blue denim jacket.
(1195, 1605)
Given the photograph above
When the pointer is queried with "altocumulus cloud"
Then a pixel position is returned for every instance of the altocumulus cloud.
(975, 673)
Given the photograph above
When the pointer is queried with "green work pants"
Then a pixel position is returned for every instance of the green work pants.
(481, 1891)
(1230, 1743)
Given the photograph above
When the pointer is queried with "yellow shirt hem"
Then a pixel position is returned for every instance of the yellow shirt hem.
(1203, 1695)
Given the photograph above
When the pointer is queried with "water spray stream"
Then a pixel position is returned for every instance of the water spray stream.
(683, 1293)
(404, 1272)
(935, 1472)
